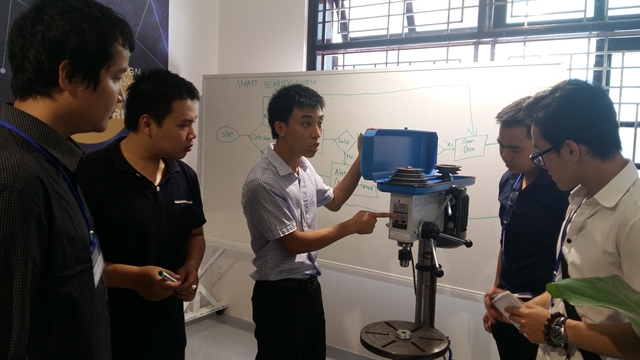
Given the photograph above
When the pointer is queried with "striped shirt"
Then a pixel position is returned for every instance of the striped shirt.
(275, 202)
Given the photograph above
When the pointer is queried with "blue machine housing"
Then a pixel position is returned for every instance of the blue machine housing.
(385, 150)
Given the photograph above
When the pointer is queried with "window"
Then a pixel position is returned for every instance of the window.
(598, 40)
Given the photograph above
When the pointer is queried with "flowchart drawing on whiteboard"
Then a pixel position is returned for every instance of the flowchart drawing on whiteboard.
(459, 103)
(461, 148)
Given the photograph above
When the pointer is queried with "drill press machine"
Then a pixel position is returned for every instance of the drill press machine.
(432, 209)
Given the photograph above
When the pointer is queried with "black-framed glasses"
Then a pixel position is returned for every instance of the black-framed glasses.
(537, 158)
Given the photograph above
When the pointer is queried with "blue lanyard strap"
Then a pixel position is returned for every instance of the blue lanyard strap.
(75, 192)
(563, 237)
(509, 210)
(508, 213)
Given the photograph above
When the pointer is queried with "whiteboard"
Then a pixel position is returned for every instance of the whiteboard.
(458, 102)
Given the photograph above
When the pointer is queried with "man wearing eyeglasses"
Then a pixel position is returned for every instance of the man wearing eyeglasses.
(576, 133)
(532, 209)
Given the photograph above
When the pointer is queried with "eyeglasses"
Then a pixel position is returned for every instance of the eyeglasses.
(537, 158)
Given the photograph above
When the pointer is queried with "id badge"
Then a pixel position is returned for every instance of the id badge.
(97, 260)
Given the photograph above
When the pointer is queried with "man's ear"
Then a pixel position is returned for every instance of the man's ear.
(145, 125)
(574, 151)
(280, 128)
(63, 77)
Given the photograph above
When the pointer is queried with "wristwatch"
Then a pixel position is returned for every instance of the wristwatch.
(557, 335)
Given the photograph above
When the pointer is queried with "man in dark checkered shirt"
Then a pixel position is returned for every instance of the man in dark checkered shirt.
(280, 199)
(67, 58)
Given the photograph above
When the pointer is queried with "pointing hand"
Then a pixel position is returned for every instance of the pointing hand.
(365, 221)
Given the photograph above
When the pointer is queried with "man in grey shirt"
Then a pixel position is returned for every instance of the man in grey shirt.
(280, 199)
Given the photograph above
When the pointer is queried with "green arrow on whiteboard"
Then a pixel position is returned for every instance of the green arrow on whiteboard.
(473, 131)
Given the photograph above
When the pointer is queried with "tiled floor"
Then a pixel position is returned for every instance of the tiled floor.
(225, 337)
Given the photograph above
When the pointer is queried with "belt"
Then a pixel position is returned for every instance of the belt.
(304, 284)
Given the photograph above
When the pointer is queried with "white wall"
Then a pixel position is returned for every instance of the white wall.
(193, 43)
(248, 36)
(262, 36)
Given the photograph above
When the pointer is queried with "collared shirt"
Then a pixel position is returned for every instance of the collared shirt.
(530, 237)
(142, 224)
(50, 306)
(276, 201)
(603, 239)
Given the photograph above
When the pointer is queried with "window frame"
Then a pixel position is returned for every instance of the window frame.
(489, 29)
(492, 29)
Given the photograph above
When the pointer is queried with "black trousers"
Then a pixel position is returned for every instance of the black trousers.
(511, 343)
(289, 321)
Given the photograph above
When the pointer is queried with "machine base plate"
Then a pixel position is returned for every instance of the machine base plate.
(396, 339)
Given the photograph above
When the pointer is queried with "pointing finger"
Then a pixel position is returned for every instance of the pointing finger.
(383, 215)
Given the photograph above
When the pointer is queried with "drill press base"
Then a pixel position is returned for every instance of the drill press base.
(395, 339)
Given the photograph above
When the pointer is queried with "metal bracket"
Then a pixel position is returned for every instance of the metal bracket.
(215, 306)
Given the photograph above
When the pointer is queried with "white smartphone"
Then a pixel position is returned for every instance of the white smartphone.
(505, 299)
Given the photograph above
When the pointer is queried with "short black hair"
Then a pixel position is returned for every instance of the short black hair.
(286, 99)
(578, 111)
(83, 32)
(153, 93)
(513, 116)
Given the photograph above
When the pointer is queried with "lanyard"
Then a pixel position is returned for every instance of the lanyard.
(514, 189)
(76, 194)
(508, 213)
(563, 237)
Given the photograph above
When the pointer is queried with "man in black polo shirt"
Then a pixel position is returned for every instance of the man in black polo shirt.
(148, 213)
(67, 58)
(532, 210)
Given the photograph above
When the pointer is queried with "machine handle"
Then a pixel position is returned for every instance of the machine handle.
(445, 205)
(438, 269)
(466, 242)
(431, 230)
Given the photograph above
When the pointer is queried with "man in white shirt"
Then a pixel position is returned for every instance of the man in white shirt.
(575, 131)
